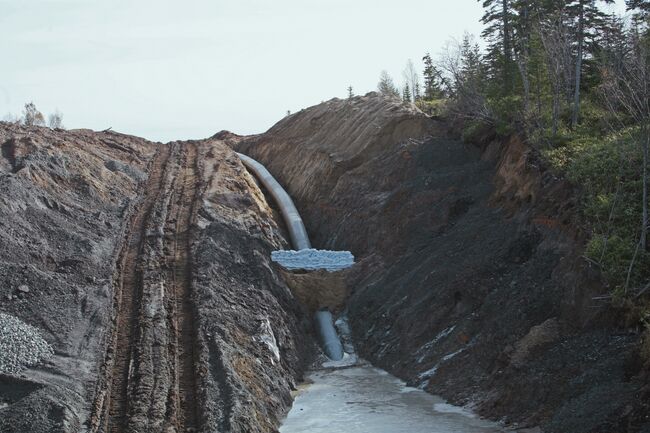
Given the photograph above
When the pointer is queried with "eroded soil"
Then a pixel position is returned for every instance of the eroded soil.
(149, 272)
(471, 282)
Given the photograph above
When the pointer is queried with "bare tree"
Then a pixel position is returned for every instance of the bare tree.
(575, 114)
(411, 78)
(463, 75)
(55, 120)
(557, 47)
(31, 116)
(626, 91)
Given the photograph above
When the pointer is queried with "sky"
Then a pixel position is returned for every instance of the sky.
(170, 69)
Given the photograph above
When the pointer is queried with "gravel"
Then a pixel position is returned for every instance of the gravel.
(311, 259)
(21, 345)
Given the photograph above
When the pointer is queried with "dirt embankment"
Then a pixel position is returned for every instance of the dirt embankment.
(148, 270)
(473, 285)
(63, 202)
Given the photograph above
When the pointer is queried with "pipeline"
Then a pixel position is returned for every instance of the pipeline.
(323, 319)
(297, 231)
(329, 339)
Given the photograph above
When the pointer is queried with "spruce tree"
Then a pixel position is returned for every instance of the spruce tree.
(406, 93)
(386, 85)
(588, 18)
(432, 89)
(641, 9)
(498, 18)
(638, 5)
(417, 93)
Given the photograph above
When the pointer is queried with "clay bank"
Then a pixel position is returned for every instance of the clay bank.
(143, 285)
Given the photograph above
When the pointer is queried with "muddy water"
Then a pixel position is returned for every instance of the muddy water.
(368, 400)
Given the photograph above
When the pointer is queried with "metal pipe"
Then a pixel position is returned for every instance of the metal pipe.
(329, 339)
(297, 231)
(323, 318)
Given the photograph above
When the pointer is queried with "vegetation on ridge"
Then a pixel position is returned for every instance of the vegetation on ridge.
(575, 82)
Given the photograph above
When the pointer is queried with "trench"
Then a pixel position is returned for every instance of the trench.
(346, 394)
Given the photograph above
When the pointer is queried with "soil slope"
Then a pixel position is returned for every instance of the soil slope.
(148, 270)
(471, 281)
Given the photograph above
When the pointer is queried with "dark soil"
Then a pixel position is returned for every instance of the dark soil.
(148, 270)
(477, 289)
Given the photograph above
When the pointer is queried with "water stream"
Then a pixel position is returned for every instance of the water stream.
(349, 395)
(365, 399)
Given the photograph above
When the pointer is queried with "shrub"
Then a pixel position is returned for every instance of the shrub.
(608, 171)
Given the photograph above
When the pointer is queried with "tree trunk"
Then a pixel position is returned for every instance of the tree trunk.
(576, 95)
(556, 111)
(523, 71)
(507, 49)
(522, 56)
(644, 200)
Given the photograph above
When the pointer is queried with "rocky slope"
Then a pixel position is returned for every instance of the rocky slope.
(147, 268)
(472, 284)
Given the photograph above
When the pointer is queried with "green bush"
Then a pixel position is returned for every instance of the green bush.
(608, 171)
(434, 107)
(474, 131)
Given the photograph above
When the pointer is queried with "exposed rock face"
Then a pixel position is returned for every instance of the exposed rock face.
(79, 211)
(476, 290)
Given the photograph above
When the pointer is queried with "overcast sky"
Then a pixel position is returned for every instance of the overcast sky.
(171, 69)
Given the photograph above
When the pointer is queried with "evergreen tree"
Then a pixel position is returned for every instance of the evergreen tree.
(417, 93)
(350, 92)
(642, 6)
(386, 85)
(588, 18)
(471, 62)
(641, 9)
(406, 93)
(432, 88)
(526, 13)
(464, 80)
(498, 32)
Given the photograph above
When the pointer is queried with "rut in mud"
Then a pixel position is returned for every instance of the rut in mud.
(126, 302)
(183, 410)
(152, 356)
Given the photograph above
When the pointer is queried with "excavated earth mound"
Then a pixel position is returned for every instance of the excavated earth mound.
(473, 285)
(147, 268)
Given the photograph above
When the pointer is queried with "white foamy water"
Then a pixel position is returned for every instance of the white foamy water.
(368, 400)
(311, 259)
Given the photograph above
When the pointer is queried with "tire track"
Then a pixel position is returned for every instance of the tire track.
(183, 402)
(127, 302)
(139, 381)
